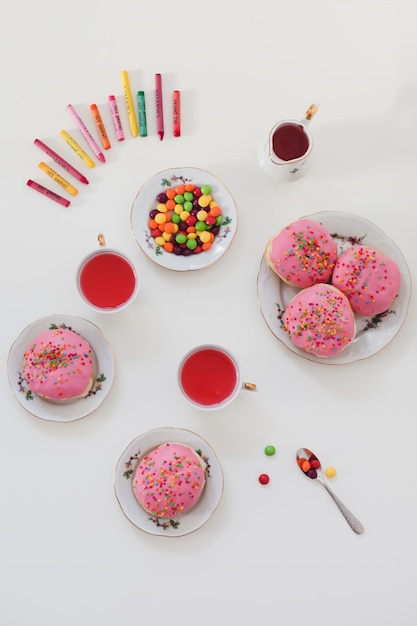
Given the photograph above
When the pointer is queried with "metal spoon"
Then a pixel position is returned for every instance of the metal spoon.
(311, 467)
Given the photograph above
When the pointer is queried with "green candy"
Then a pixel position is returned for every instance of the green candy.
(188, 206)
(188, 196)
(200, 226)
(181, 238)
(219, 220)
(205, 189)
(175, 218)
(179, 198)
(191, 244)
(270, 450)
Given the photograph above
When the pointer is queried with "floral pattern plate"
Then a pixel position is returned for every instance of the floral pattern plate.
(145, 201)
(195, 517)
(372, 334)
(103, 363)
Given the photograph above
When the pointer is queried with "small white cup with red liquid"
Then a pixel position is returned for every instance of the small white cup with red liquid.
(285, 154)
(107, 280)
(210, 378)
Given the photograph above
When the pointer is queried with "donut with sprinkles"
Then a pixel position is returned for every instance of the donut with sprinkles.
(58, 365)
(169, 480)
(320, 320)
(370, 280)
(303, 253)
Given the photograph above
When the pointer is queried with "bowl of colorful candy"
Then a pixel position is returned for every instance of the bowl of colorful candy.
(183, 218)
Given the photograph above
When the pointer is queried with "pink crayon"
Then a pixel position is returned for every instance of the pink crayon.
(116, 118)
(86, 133)
(159, 106)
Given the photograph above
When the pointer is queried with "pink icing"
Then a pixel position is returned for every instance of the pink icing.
(370, 280)
(302, 254)
(320, 320)
(169, 480)
(58, 365)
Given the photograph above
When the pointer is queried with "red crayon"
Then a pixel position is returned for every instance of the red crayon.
(48, 193)
(58, 159)
(176, 100)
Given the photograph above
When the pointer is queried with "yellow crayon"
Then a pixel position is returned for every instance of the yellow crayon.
(58, 179)
(129, 104)
(77, 149)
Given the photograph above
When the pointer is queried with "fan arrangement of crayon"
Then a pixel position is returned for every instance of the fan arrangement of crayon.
(135, 128)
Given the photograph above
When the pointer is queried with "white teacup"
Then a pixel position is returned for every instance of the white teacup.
(107, 280)
(210, 378)
(285, 154)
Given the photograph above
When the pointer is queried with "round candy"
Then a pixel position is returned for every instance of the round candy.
(191, 244)
(160, 218)
(306, 466)
(202, 215)
(204, 236)
(204, 200)
(270, 450)
(181, 238)
(330, 472)
(264, 479)
(200, 226)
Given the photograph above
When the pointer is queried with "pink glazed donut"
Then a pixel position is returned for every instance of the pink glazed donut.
(370, 280)
(302, 254)
(57, 365)
(320, 320)
(169, 480)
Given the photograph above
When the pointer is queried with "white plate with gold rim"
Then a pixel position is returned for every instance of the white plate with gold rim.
(103, 364)
(372, 334)
(146, 200)
(187, 522)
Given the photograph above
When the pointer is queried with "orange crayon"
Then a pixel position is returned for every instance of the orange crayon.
(100, 127)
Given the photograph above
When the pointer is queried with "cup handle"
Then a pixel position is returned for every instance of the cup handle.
(249, 386)
(310, 113)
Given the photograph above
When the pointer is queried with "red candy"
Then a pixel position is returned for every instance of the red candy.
(264, 479)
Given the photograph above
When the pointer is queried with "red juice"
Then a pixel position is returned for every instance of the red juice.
(209, 377)
(290, 141)
(107, 280)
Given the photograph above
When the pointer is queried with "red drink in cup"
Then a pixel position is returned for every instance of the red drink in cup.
(209, 377)
(107, 280)
(290, 141)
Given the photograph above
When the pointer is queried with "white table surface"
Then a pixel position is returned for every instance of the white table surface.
(281, 553)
